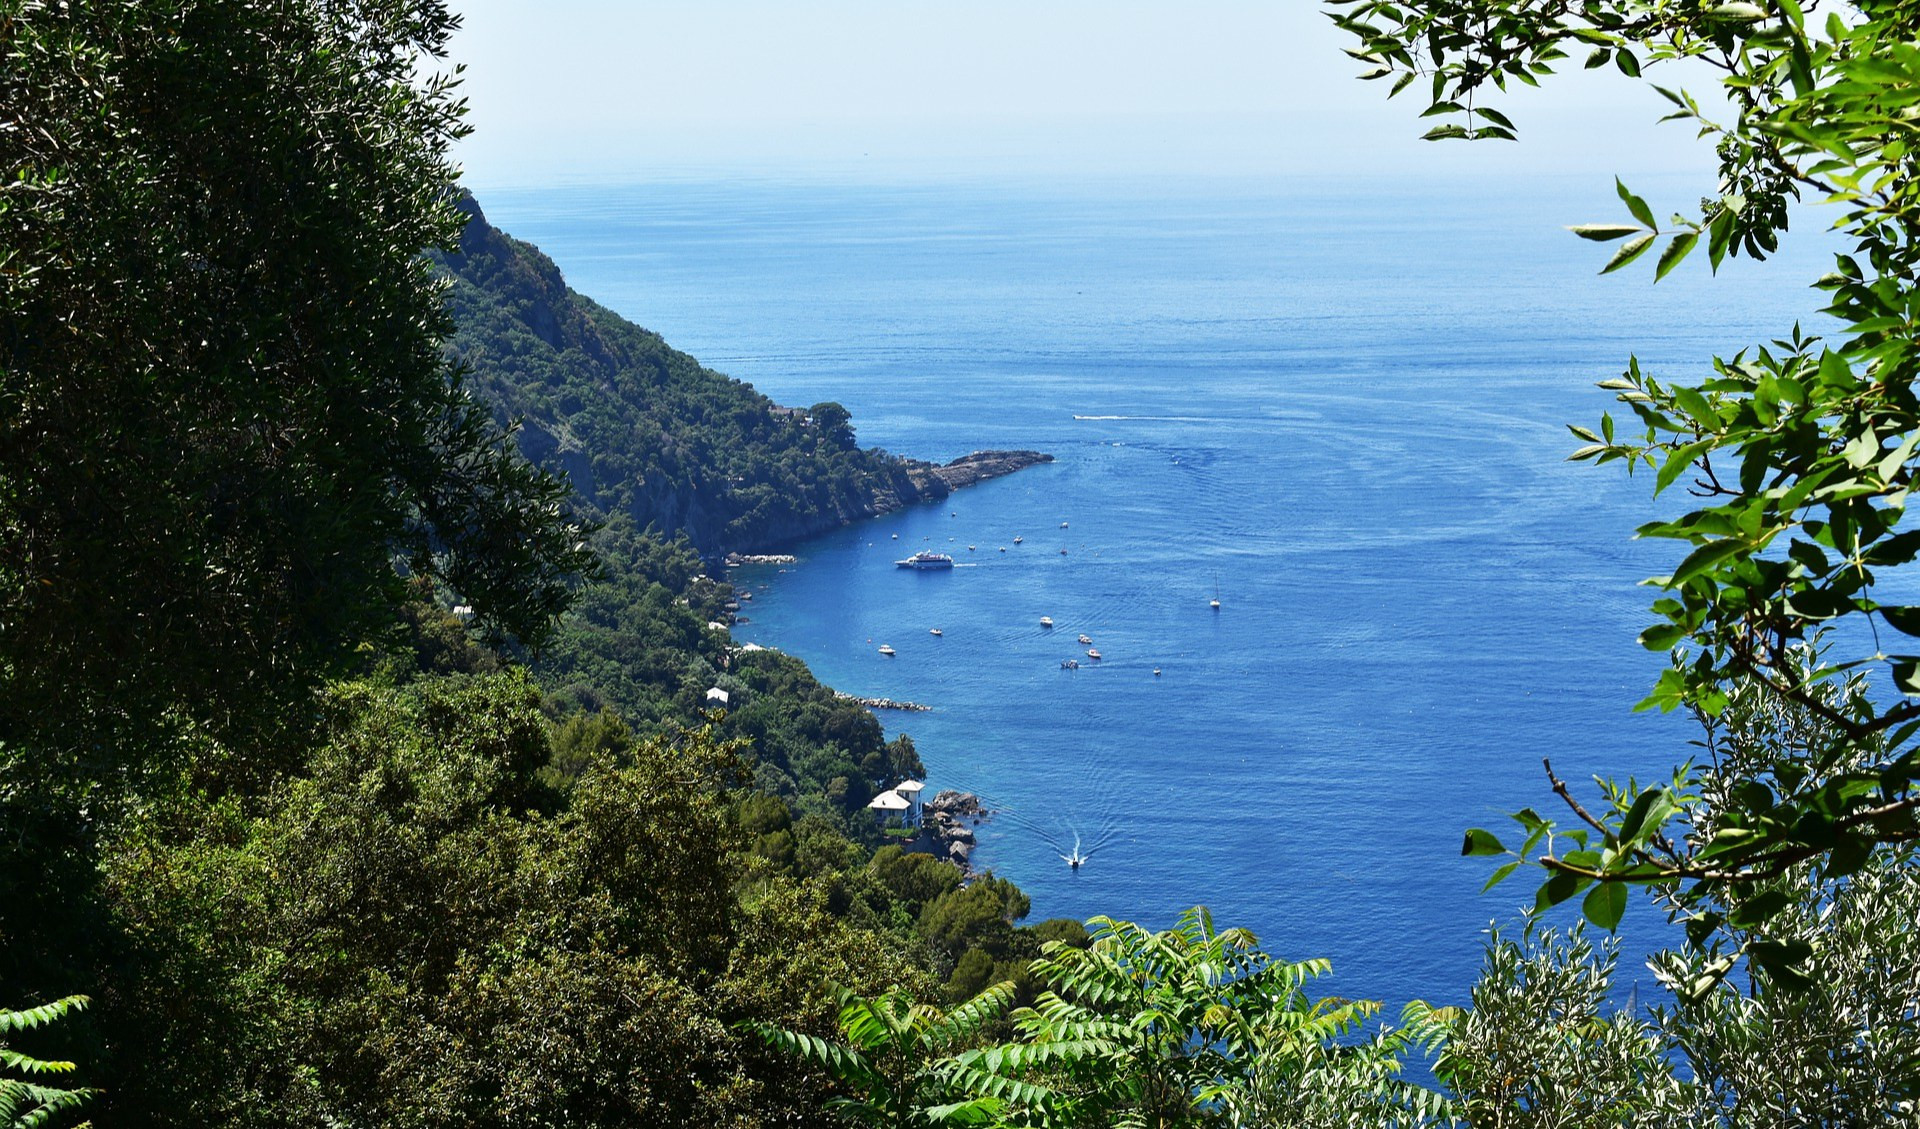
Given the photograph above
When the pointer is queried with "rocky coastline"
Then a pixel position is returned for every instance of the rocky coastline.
(947, 822)
(877, 703)
(909, 482)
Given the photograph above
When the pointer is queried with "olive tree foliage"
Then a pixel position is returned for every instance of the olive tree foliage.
(1825, 1033)
(226, 423)
(1797, 454)
(1541, 1046)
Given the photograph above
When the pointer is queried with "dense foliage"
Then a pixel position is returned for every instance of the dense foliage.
(1799, 453)
(224, 412)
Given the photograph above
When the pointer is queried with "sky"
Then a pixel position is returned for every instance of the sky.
(568, 91)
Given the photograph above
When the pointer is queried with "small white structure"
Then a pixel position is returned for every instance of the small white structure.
(888, 802)
(717, 698)
(910, 790)
(463, 612)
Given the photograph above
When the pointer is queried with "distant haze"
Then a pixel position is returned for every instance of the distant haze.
(598, 90)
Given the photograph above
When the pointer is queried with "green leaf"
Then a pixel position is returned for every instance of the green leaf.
(1605, 905)
(1628, 252)
(1634, 822)
(1479, 842)
(1706, 557)
(1676, 251)
(1635, 205)
(1558, 889)
(1605, 232)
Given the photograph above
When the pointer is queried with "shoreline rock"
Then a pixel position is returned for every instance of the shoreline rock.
(734, 560)
(909, 482)
(878, 703)
(948, 821)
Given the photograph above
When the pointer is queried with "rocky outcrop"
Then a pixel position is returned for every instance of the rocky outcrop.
(909, 482)
(875, 703)
(982, 465)
(948, 821)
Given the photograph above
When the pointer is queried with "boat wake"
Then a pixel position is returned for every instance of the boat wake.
(1074, 838)
(1156, 419)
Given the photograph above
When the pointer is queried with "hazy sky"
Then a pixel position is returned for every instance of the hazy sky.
(891, 89)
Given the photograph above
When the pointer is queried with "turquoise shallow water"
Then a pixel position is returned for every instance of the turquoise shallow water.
(1345, 409)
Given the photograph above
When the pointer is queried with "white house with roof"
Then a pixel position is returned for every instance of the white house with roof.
(891, 802)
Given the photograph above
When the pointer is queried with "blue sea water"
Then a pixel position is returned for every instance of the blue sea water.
(1341, 408)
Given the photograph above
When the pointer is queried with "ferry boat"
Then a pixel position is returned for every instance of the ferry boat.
(926, 560)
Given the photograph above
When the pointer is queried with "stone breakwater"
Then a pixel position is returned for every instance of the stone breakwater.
(948, 821)
(877, 703)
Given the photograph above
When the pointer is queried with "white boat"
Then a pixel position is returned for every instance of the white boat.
(935, 631)
(1069, 664)
(1093, 654)
(1017, 540)
(925, 561)
(1046, 621)
(1085, 640)
(886, 650)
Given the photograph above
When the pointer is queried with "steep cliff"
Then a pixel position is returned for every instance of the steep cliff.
(642, 428)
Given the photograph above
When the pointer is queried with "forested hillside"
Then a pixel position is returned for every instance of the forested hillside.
(644, 430)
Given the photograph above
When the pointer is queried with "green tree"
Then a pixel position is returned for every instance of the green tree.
(1799, 452)
(1541, 1047)
(224, 410)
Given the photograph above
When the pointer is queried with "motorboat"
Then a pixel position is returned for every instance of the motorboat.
(1085, 641)
(1069, 664)
(1093, 654)
(1046, 621)
(935, 631)
(886, 650)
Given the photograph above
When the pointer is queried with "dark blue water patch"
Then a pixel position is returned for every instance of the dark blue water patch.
(1341, 415)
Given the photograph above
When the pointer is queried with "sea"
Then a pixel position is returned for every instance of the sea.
(1340, 409)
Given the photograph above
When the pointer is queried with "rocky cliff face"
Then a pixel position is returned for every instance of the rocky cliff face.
(643, 429)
